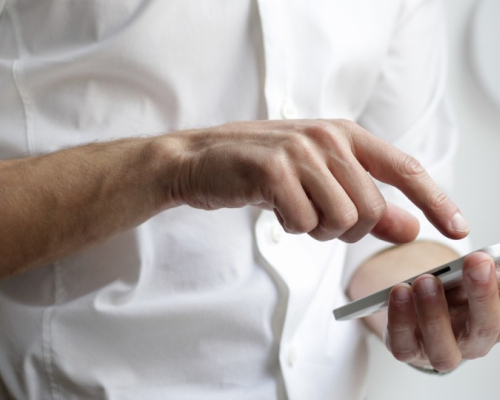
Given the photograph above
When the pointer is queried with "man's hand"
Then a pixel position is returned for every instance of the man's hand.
(315, 175)
(428, 326)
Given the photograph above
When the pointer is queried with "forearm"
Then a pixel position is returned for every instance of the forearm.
(393, 266)
(56, 204)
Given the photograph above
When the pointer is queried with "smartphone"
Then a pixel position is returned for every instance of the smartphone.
(450, 275)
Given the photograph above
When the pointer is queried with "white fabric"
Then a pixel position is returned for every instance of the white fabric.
(195, 304)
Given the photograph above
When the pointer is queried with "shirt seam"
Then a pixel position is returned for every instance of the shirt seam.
(25, 99)
(48, 349)
(17, 68)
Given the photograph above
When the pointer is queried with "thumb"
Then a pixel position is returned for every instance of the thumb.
(396, 226)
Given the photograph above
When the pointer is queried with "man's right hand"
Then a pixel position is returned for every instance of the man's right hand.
(315, 174)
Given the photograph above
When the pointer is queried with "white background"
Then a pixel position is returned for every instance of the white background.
(478, 195)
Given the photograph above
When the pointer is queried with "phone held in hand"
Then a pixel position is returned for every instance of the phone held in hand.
(450, 275)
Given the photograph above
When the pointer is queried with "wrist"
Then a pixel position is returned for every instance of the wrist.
(166, 156)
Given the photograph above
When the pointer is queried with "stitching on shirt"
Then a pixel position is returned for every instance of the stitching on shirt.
(17, 66)
(21, 88)
(18, 79)
(48, 350)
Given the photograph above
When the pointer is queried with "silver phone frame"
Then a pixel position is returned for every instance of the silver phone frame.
(450, 275)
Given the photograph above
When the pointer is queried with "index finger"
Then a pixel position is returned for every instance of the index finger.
(394, 167)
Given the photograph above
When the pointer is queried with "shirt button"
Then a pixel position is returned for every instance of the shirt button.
(292, 356)
(288, 111)
(276, 232)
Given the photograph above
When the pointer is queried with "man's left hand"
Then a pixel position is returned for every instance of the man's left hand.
(428, 327)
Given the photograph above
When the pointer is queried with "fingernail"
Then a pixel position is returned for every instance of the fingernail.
(401, 294)
(459, 224)
(481, 272)
(426, 287)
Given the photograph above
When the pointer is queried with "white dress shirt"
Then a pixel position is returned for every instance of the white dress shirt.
(195, 304)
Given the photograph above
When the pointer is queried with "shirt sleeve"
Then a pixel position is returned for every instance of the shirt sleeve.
(408, 108)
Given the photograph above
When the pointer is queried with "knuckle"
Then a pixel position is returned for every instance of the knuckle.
(487, 332)
(301, 225)
(321, 234)
(395, 326)
(405, 355)
(300, 146)
(374, 213)
(299, 143)
(445, 364)
(321, 127)
(319, 237)
(351, 238)
(481, 296)
(477, 353)
(347, 220)
(438, 201)
(275, 169)
(319, 131)
(347, 125)
(331, 137)
(433, 325)
(410, 166)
